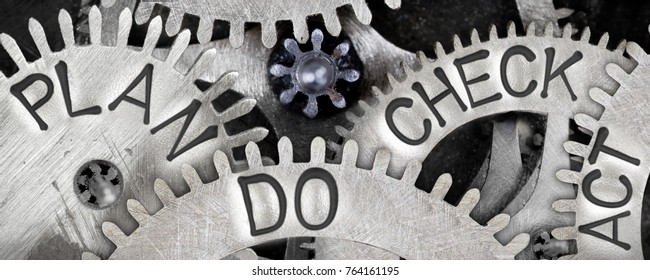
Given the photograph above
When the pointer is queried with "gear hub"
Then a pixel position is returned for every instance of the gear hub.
(315, 73)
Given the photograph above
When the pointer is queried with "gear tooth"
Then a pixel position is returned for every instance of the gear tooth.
(382, 160)
(565, 206)
(332, 23)
(292, 46)
(174, 22)
(333, 146)
(352, 117)
(350, 153)
(376, 92)
(493, 32)
(136, 210)
(586, 121)
(40, 39)
(153, 34)
(300, 30)
(114, 233)
(620, 48)
(565, 233)
(512, 29)
(549, 29)
(576, 148)
(285, 151)
(616, 72)
(601, 97)
(438, 49)
(288, 95)
(317, 40)
(253, 155)
(236, 34)
(202, 64)
(567, 31)
(95, 25)
(143, 12)
(604, 40)
(318, 149)
(13, 50)
(255, 134)
(391, 80)
(469, 201)
(411, 172)
(191, 177)
(636, 51)
(279, 70)
(269, 34)
(531, 29)
(164, 192)
(67, 30)
(364, 106)
(204, 32)
(393, 4)
(458, 45)
(124, 28)
(474, 38)
(237, 110)
(516, 245)
(498, 222)
(362, 12)
(568, 176)
(421, 57)
(88, 256)
(441, 187)
(342, 132)
(178, 47)
(586, 35)
(221, 163)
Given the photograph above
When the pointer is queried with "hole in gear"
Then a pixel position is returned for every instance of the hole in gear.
(99, 184)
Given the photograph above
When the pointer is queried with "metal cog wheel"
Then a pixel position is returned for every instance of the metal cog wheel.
(545, 74)
(314, 198)
(238, 12)
(314, 73)
(89, 127)
(377, 55)
(614, 174)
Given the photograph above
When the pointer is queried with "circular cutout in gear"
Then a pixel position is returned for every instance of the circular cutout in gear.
(98, 184)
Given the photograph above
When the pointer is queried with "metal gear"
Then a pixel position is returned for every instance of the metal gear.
(377, 55)
(238, 12)
(543, 74)
(612, 180)
(315, 73)
(252, 207)
(54, 121)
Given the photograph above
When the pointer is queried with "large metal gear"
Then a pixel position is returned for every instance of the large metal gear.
(238, 12)
(86, 128)
(546, 74)
(314, 198)
(612, 181)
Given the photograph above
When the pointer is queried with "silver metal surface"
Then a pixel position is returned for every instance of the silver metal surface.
(607, 212)
(393, 215)
(40, 213)
(409, 114)
(238, 12)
